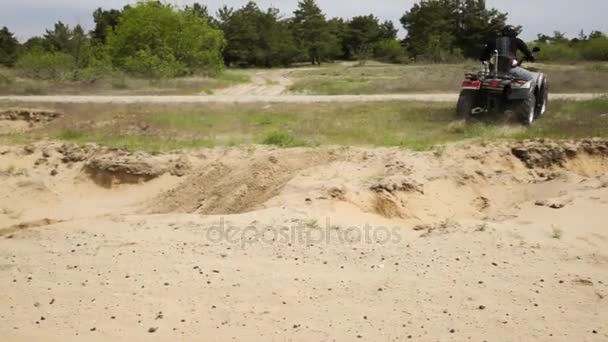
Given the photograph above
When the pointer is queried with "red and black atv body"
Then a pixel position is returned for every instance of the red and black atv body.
(498, 91)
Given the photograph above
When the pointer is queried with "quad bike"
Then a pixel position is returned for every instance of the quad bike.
(493, 89)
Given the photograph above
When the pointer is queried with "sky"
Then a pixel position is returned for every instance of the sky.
(28, 18)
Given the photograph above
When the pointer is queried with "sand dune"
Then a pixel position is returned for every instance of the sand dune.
(503, 242)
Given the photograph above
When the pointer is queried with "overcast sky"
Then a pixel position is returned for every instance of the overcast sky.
(30, 17)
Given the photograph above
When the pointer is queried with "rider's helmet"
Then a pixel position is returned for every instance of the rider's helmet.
(509, 31)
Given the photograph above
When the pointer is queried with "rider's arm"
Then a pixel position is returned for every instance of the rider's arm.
(523, 47)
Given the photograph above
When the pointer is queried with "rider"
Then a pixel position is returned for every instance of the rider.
(507, 45)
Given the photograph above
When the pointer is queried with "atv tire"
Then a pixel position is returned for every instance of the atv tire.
(543, 96)
(525, 110)
(467, 101)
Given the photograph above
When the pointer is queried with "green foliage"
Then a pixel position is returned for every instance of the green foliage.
(71, 134)
(557, 52)
(256, 38)
(156, 40)
(45, 65)
(312, 32)
(390, 50)
(595, 49)
(559, 49)
(105, 21)
(6, 77)
(282, 139)
(440, 28)
(9, 47)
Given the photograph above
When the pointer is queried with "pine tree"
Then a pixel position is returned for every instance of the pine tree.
(9, 47)
(312, 34)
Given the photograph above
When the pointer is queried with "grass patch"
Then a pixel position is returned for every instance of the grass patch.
(412, 125)
(282, 139)
(420, 78)
(71, 134)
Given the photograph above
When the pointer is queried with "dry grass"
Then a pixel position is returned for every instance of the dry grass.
(412, 125)
(119, 84)
(12, 171)
(556, 233)
(418, 78)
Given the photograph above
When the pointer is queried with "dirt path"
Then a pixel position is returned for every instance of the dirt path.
(263, 83)
(248, 98)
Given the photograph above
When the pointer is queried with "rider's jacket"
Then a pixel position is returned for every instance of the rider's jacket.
(507, 48)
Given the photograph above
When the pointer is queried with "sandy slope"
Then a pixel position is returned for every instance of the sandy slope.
(496, 243)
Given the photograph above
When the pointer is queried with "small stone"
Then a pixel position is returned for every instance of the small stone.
(152, 330)
(93, 329)
(54, 172)
(482, 307)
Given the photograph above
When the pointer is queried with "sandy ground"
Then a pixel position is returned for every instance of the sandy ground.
(249, 98)
(263, 83)
(470, 242)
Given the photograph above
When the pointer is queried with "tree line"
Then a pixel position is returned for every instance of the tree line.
(155, 39)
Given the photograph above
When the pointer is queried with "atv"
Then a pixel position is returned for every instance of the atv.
(493, 89)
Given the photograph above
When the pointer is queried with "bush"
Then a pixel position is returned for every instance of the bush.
(390, 51)
(95, 63)
(558, 52)
(156, 40)
(6, 77)
(46, 65)
(282, 139)
(595, 49)
(147, 64)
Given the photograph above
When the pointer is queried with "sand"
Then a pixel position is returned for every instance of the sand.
(498, 242)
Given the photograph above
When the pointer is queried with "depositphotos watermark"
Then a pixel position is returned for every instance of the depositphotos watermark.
(302, 232)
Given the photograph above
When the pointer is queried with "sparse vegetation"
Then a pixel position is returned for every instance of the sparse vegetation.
(13, 171)
(116, 83)
(556, 233)
(282, 139)
(412, 125)
(376, 78)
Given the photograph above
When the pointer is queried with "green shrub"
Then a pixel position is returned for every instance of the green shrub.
(46, 65)
(6, 77)
(154, 39)
(282, 139)
(71, 134)
(558, 52)
(595, 49)
(95, 63)
(390, 51)
(147, 64)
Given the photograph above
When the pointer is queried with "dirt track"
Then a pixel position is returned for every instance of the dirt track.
(263, 83)
(474, 242)
(259, 98)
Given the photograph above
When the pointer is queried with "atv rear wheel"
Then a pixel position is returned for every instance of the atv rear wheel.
(541, 106)
(525, 110)
(467, 101)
